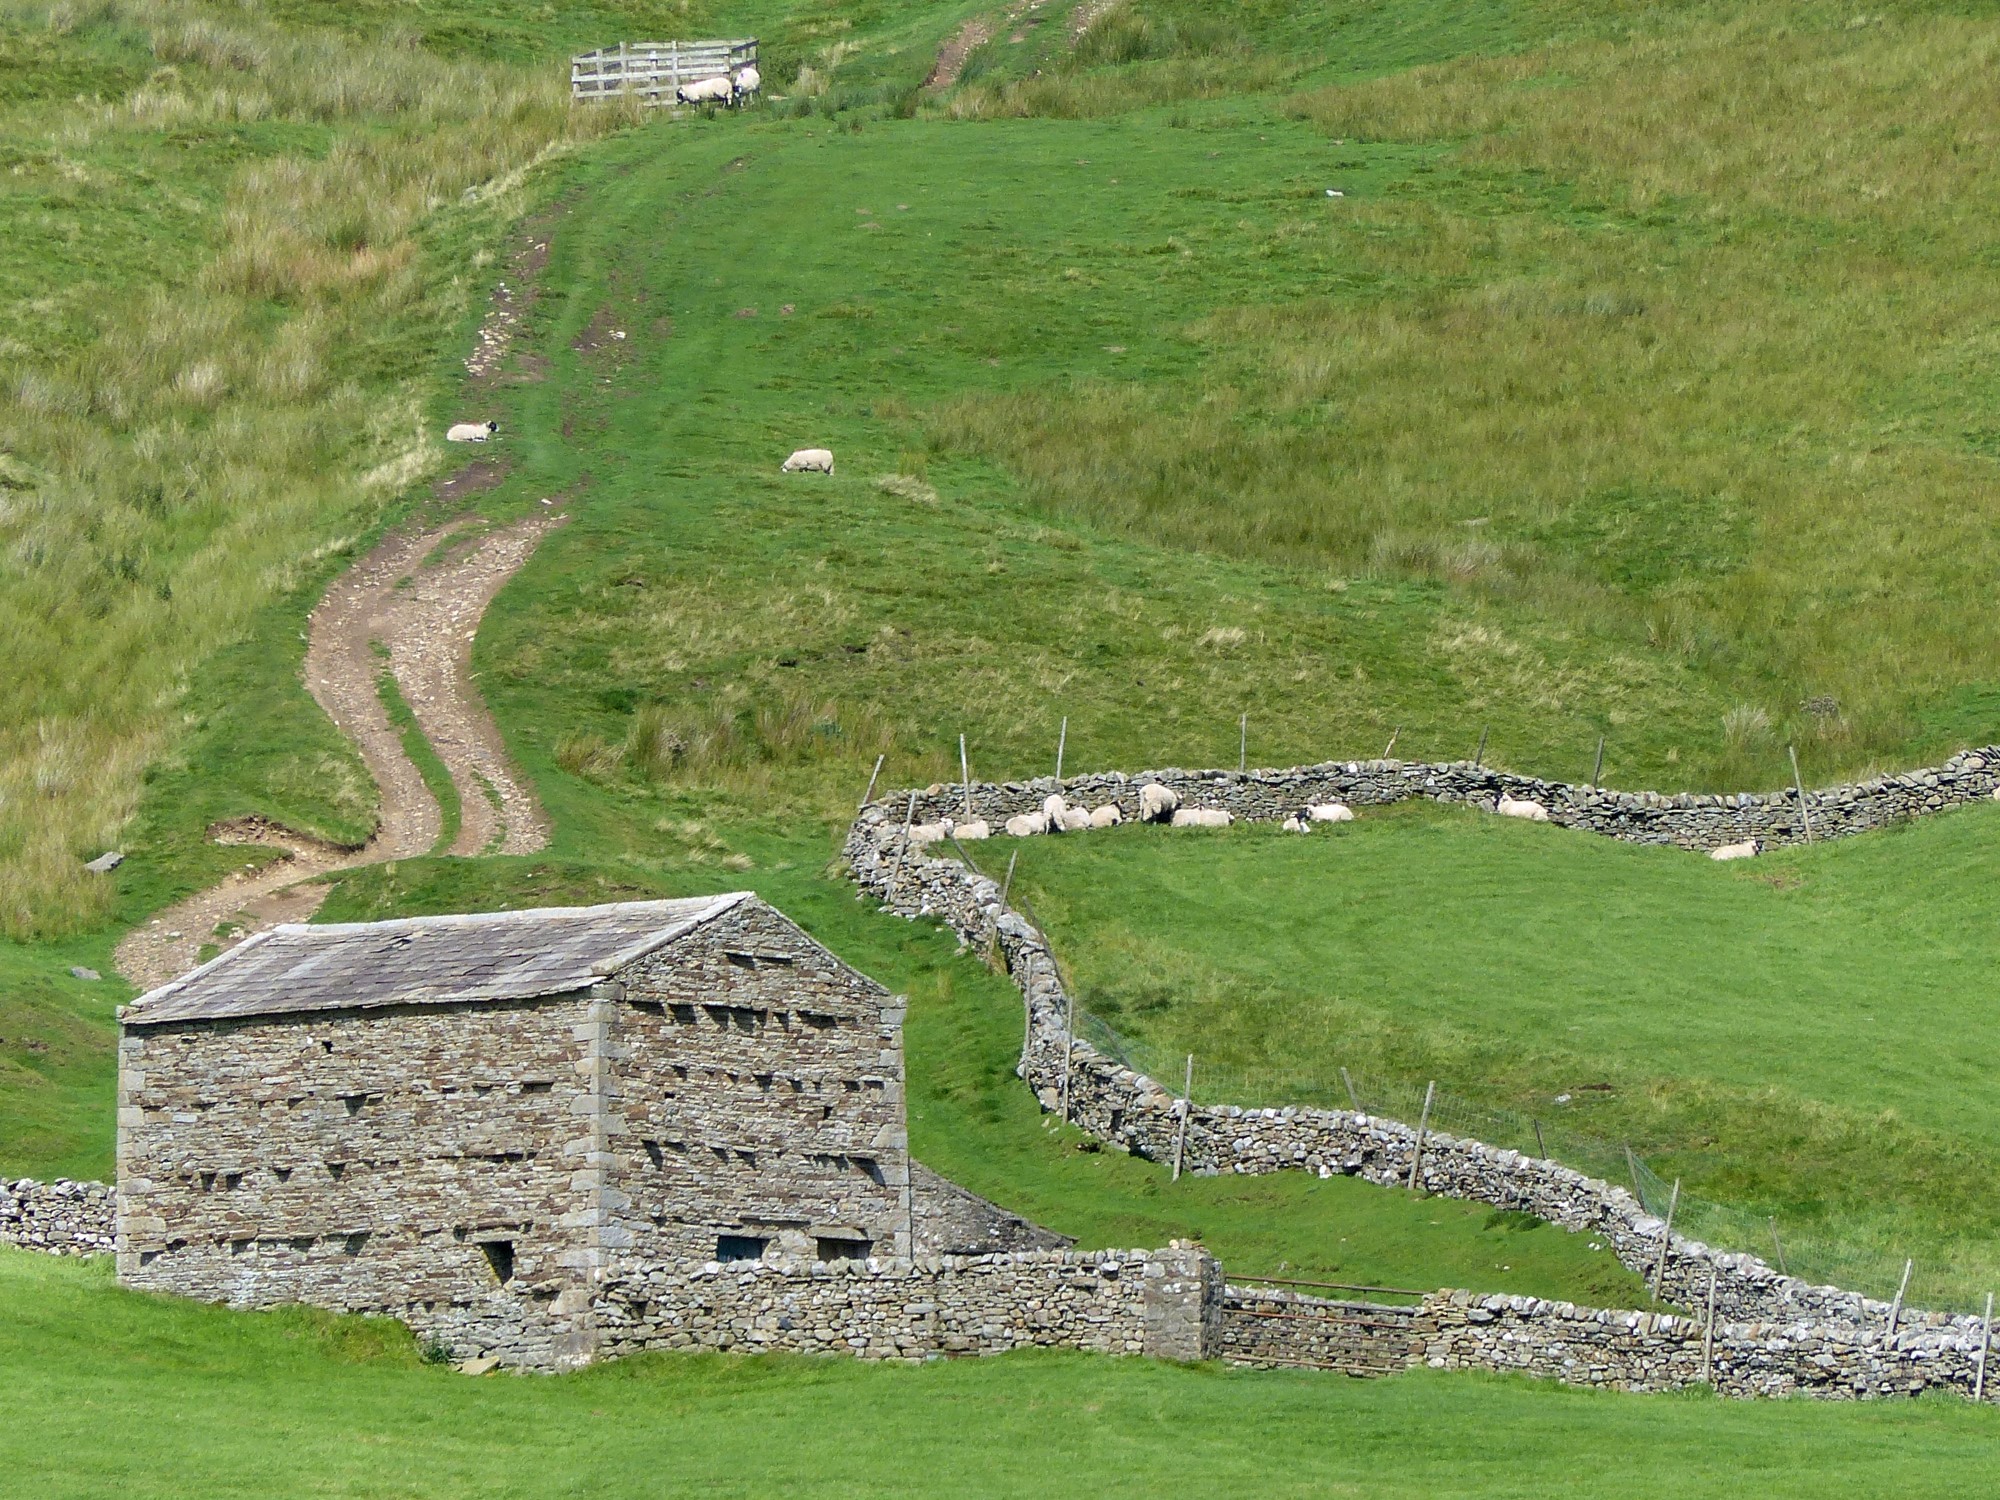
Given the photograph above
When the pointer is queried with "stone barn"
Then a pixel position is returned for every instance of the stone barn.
(465, 1121)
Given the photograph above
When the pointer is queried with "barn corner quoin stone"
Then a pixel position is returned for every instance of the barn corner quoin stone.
(545, 1137)
(1770, 1333)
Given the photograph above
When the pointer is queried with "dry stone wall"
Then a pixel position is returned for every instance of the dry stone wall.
(1689, 820)
(1164, 1303)
(1128, 1109)
(60, 1217)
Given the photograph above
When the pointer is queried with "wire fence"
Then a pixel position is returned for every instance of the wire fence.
(1937, 1279)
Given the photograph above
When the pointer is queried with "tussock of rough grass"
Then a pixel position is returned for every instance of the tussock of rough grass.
(183, 458)
(1685, 336)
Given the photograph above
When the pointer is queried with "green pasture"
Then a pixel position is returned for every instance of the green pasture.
(1808, 1035)
(111, 1392)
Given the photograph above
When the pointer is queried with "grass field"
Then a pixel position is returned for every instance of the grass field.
(198, 1396)
(1807, 1036)
(1635, 387)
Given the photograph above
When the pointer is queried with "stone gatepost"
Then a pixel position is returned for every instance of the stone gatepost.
(1183, 1306)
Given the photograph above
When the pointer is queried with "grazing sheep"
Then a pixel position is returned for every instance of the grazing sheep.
(1023, 825)
(1534, 812)
(1745, 850)
(810, 461)
(976, 829)
(1201, 817)
(1297, 824)
(1072, 820)
(716, 90)
(1330, 812)
(1157, 803)
(1053, 807)
(747, 81)
(471, 432)
(926, 833)
(1107, 816)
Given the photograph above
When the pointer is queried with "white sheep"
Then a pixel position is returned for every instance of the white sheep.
(975, 829)
(716, 90)
(1745, 850)
(1053, 807)
(1534, 812)
(810, 461)
(1107, 816)
(1157, 803)
(1297, 824)
(1072, 820)
(1330, 812)
(1024, 825)
(747, 81)
(1201, 817)
(471, 432)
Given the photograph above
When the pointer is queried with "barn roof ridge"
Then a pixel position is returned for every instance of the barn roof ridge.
(305, 967)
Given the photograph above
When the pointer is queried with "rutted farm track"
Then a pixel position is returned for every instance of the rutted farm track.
(410, 608)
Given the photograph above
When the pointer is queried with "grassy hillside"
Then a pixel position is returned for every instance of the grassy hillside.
(1807, 1036)
(200, 1393)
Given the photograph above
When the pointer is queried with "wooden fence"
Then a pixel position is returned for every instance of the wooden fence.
(652, 71)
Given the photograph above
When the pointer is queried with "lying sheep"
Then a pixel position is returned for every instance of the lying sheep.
(471, 432)
(810, 461)
(1071, 820)
(1534, 812)
(1024, 825)
(1157, 803)
(1330, 812)
(1201, 817)
(716, 90)
(1297, 824)
(1745, 850)
(976, 829)
(1107, 816)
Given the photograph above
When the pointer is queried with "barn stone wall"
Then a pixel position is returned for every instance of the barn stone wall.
(428, 1162)
(760, 1095)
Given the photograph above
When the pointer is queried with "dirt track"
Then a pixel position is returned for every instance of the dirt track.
(421, 594)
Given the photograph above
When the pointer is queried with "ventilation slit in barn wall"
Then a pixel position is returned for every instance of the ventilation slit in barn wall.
(500, 1257)
(654, 1153)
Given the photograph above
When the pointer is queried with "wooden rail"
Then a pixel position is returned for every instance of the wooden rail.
(1331, 1286)
(653, 72)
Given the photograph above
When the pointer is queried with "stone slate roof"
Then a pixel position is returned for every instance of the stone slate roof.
(508, 955)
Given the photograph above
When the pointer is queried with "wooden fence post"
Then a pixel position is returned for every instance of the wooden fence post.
(1985, 1348)
(1480, 754)
(1666, 1238)
(1353, 1098)
(1008, 884)
(965, 778)
(1597, 770)
(1423, 1124)
(1187, 1108)
(871, 781)
(1069, 1046)
(1027, 1011)
(1708, 1332)
(1393, 736)
(909, 816)
(1062, 743)
(1541, 1148)
(1779, 1246)
(1243, 744)
(1896, 1307)
(1798, 786)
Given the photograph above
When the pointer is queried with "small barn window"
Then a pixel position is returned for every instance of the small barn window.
(836, 1248)
(500, 1257)
(739, 1247)
(654, 1154)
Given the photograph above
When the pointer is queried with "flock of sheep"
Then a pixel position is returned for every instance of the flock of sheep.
(1157, 804)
